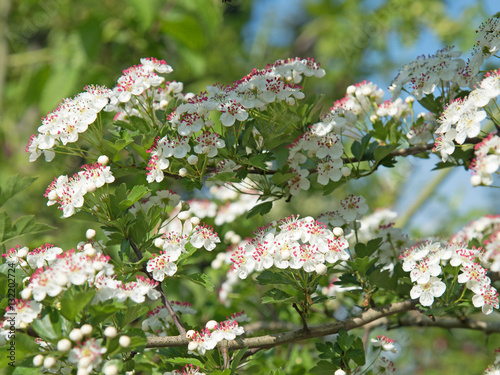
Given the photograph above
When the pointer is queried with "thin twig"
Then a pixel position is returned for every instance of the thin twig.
(168, 306)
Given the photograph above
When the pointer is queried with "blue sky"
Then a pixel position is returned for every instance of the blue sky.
(281, 18)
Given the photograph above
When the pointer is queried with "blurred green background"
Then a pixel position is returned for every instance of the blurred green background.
(50, 49)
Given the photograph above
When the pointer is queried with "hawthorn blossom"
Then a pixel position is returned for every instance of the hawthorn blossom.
(299, 182)
(207, 338)
(160, 266)
(474, 275)
(204, 236)
(22, 312)
(426, 292)
(87, 356)
(352, 208)
(208, 143)
(385, 343)
(487, 299)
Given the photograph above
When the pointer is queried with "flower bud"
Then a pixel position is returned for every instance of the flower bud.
(475, 180)
(195, 220)
(90, 187)
(321, 269)
(182, 172)
(290, 101)
(338, 231)
(192, 159)
(22, 252)
(409, 99)
(75, 335)
(64, 345)
(111, 369)
(84, 362)
(26, 293)
(89, 250)
(38, 360)
(86, 329)
(190, 334)
(103, 159)
(110, 332)
(49, 362)
(346, 171)
(124, 341)
(159, 242)
(184, 215)
(90, 234)
(211, 325)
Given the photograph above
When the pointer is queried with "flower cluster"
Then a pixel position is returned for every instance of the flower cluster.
(428, 72)
(385, 343)
(173, 244)
(68, 192)
(424, 264)
(212, 334)
(255, 91)
(71, 118)
(486, 160)
(291, 243)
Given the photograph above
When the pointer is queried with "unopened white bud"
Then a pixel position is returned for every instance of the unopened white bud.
(103, 159)
(373, 118)
(190, 334)
(89, 250)
(64, 345)
(75, 335)
(184, 215)
(90, 187)
(38, 360)
(321, 269)
(409, 100)
(211, 324)
(192, 346)
(86, 329)
(350, 90)
(340, 372)
(159, 242)
(84, 362)
(290, 101)
(22, 252)
(182, 172)
(192, 159)
(26, 293)
(195, 220)
(90, 234)
(111, 369)
(124, 341)
(475, 180)
(346, 171)
(338, 231)
(111, 332)
(49, 362)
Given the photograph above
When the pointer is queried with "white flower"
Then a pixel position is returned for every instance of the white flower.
(428, 291)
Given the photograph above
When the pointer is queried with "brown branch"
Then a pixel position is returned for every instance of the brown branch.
(168, 306)
(269, 341)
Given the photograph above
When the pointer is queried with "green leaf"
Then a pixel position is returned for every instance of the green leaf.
(279, 178)
(367, 250)
(130, 314)
(259, 160)
(356, 150)
(326, 350)
(362, 265)
(382, 151)
(72, 304)
(268, 277)
(49, 326)
(344, 340)
(324, 368)
(431, 103)
(262, 209)
(200, 279)
(138, 191)
(14, 185)
(102, 311)
(276, 296)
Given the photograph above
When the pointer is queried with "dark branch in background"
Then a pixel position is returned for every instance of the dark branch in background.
(175, 318)
(269, 341)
